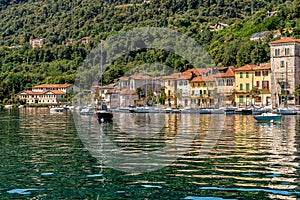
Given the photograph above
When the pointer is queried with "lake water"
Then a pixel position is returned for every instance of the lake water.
(147, 156)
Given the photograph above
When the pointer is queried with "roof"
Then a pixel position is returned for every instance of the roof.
(263, 66)
(246, 68)
(127, 92)
(259, 35)
(285, 40)
(229, 72)
(55, 92)
(254, 67)
(197, 79)
(53, 86)
(30, 92)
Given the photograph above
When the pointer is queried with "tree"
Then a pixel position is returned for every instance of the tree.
(297, 94)
(254, 93)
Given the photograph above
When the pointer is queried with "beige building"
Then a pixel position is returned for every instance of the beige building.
(46, 93)
(37, 42)
(285, 63)
(43, 97)
(225, 85)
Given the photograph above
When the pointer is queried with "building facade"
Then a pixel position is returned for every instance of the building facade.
(285, 64)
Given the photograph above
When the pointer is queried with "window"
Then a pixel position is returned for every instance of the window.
(241, 86)
(168, 82)
(277, 52)
(229, 82)
(241, 99)
(241, 74)
(286, 51)
(282, 76)
(265, 73)
(204, 91)
(282, 63)
(247, 87)
(257, 83)
(198, 84)
(265, 85)
(221, 82)
(193, 92)
(257, 73)
(247, 74)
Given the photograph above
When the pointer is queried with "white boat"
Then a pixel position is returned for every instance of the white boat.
(21, 106)
(287, 111)
(268, 117)
(56, 109)
(87, 111)
(189, 110)
(8, 106)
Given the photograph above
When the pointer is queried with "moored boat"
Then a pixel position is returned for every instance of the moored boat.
(268, 117)
(56, 109)
(287, 111)
(103, 114)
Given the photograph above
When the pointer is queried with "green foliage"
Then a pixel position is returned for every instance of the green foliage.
(21, 67)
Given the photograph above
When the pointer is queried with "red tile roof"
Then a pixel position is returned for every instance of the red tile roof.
(263, 66)
(53, 86)
(285, 40)
(246, 68)
(229, 72)
(30, 92)
(127, 92)
(55, 92)
(197, 79)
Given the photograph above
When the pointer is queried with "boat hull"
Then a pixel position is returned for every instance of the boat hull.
(261, 118)
(104, 116)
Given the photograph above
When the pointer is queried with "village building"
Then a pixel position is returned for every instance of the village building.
(37, 42)
(217, 26)
(46, 93)
(285, 64)
(251, 79)
(128, 97)
(225, 80)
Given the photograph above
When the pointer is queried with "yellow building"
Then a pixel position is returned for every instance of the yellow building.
(252, 85)
(201, 90)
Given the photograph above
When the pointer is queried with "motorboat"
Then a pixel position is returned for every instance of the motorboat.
(56, 109)
(287, 111)
(189, 110)
(103, 114)
(205, 111)
(230, 110)
(87, 111)
(268, 117)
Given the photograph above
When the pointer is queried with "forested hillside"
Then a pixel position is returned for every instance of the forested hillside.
(57, 21)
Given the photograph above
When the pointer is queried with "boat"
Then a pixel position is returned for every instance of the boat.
(205, 111)
(168, 110)
(139, 110)
(230, 110)
(87, 111)
(189, 110)
(268, 117)
(56, 109)
(8, 106)
(247, 111)
(287, 111)
(103, 114)
(218, 111)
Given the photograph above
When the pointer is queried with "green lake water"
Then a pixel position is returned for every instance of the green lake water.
(147, 156)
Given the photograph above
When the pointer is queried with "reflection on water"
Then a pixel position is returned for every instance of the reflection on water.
(147, 156)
